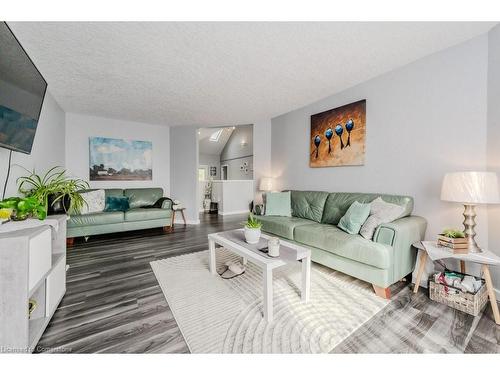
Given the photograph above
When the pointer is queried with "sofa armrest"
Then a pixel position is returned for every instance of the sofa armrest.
(401, 234)
(167, 204)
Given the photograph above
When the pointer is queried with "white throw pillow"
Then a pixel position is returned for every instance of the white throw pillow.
(381, 212)
(95, 202)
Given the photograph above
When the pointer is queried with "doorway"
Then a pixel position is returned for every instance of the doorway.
(225, 169)
(203, 173)
(223, 172)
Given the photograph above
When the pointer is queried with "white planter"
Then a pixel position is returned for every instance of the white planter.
(252, 235)
(206, 204)
(274, 247)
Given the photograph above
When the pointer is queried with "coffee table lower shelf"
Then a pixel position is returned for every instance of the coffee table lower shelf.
(266, 264)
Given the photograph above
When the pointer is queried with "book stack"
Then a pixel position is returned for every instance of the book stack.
(458, 245)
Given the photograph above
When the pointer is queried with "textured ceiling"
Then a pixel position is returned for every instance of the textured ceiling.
(220, 73)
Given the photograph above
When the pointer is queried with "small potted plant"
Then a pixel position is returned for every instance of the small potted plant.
(23, 208)
(453, 239)
(252, 230)
(55, 190)
(208, 196)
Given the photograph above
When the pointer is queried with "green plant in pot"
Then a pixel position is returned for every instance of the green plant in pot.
(252, 230)
(55, 190)
(22, 208)
(453, 233)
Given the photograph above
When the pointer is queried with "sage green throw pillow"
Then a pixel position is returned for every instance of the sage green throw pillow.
(355, 217)
(278, 204)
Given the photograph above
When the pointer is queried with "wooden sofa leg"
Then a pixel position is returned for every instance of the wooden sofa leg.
(70, 241)
(382, 292)
(168, 229)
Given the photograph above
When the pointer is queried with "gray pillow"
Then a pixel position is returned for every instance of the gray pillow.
(95, 201)
(381, 212)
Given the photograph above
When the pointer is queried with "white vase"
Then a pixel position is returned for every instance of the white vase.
(206, 204)
(274, 247)
(252, 235)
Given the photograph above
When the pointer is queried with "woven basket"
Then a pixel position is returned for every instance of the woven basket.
(470, 303)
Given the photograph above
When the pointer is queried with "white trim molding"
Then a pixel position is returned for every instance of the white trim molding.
(189, 222)
(234, 212)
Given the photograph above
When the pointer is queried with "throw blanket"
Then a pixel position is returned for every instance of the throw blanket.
(159, 203)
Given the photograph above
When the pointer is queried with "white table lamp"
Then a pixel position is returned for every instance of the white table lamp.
(266, 184)
(470, 189)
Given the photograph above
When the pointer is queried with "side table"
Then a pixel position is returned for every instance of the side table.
(485, 259)
(181, 210)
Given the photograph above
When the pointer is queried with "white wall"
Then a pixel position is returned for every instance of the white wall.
(48, 147)
(423, 120)
(233, 196)
(237, 151)
(184, 169)
(211, 161)
(261, 154)
(494, 141)
(234, 171)
(80, 127)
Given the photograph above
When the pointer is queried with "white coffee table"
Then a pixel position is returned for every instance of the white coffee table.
(234, 241)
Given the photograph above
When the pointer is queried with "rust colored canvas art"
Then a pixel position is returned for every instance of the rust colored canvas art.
(338, 136)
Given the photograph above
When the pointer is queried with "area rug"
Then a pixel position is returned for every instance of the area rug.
(225, 316)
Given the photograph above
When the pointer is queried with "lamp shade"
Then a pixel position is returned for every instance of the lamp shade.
(266, 184)
(470, 187)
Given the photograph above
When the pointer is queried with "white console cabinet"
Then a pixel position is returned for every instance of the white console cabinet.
(32, 267)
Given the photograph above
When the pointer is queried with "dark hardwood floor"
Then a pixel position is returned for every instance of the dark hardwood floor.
(113, 304)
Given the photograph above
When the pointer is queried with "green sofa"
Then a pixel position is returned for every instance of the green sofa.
(134, 218)
(382, 261)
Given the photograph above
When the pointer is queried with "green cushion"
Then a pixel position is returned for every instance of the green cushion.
(139, 214)
(116, 204)
(352, 246)
(143, 197)
(354, 218)
(337, 204)
(97, 218)
(278, 204)
(308, 204)
(281, 226)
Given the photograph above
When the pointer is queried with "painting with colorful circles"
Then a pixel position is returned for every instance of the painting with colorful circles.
(338, 136)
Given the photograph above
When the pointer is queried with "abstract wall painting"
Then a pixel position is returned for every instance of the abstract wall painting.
(338, 136)
(119, 159)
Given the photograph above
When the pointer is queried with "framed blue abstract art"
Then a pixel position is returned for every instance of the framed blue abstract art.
(119, 159)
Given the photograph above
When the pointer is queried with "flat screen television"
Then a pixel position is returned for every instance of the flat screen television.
(22, 89)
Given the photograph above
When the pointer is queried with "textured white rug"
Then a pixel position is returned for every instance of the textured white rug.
(225, 316)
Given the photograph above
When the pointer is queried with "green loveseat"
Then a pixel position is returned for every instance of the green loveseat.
(135, 218)
(382, 261)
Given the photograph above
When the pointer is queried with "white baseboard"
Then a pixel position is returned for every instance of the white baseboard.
(234, 212)
(189, 222)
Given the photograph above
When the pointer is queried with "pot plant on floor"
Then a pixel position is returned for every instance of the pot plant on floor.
(252, 230)
(59, 193)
